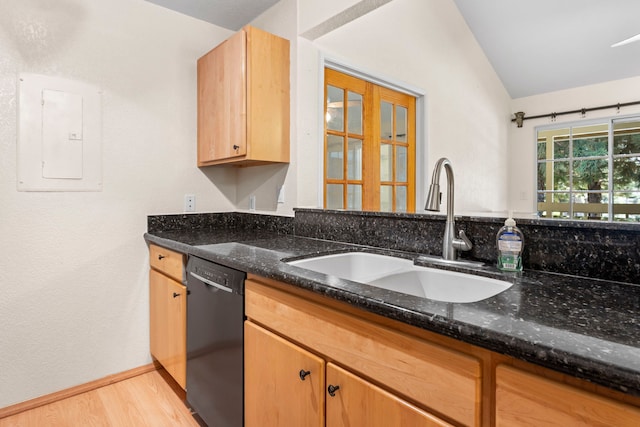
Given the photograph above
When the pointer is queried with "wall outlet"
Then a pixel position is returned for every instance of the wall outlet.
(252, 203)
(189, 203)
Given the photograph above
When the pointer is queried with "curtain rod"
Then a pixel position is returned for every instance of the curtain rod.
(520, 116)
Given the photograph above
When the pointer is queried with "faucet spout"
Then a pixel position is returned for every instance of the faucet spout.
(450, 244)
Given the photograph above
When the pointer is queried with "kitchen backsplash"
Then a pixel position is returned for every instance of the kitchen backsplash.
(609, 251)
(220, 220)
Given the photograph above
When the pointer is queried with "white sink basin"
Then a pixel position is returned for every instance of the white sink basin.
(442, 285)
(401, 275)
(356, 266)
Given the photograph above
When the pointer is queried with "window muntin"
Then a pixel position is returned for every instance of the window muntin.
(378, 142)
(590, 172)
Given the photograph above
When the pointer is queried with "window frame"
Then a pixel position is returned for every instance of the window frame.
(340, 65)
(610, 157)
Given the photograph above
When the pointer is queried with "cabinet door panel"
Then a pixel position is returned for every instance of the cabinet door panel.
(275, 394)
(360, 403)
(268, 124)
(222, 106)
(523, 399)
(168, 324)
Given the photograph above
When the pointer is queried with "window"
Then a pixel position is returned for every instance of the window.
(369, 146)
(590, 172)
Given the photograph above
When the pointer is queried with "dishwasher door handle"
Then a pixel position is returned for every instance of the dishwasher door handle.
(210, 283)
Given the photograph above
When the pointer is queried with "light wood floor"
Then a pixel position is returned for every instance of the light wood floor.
(145, 400)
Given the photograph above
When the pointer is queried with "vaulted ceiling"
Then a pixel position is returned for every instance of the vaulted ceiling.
(535, 46)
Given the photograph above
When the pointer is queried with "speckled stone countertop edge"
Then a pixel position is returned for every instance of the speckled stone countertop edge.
(264, 262)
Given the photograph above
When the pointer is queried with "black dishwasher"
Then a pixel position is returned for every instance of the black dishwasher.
(215, 316)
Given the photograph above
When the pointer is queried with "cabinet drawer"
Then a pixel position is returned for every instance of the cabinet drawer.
(524, 399)
(443, 380)
(167, 261)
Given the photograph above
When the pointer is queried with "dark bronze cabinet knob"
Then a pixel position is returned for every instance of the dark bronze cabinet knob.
(303, 374)
(332, 389)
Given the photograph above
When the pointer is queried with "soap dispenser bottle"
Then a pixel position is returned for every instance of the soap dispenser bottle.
(510, 242)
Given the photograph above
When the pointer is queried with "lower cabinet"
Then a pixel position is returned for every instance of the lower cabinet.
(313, 361)
(168, 313)
(525, 399)
(286, 385)
(352, 401)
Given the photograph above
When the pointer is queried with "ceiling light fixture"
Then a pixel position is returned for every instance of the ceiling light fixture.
(627, 41)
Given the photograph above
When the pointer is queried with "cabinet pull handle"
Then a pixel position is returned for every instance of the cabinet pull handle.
(303, 374)
(175, 294)
(332, 389)
(236, 147)
(161, 256)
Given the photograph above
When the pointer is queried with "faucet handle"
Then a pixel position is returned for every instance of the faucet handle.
(463, 243)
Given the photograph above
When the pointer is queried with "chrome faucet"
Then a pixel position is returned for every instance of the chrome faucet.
(450, 244)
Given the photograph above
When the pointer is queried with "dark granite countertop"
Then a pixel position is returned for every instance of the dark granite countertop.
(583, 327)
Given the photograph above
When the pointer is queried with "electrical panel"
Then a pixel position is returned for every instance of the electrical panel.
(59, 135)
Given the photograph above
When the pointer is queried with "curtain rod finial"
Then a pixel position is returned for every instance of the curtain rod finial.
(519, 118)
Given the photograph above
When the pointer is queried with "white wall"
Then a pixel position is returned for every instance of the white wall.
(263, 182)
(73, 266)
(427, 44)
(522, 141)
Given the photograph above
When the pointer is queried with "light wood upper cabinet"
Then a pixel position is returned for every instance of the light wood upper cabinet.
(168, 312)
(243, 101)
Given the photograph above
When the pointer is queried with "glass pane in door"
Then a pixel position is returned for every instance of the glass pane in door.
(401, 163)
(590, 141)
(386, 120)
(354, 159)
(386, 162)
(335, 157)
(335, 196)
(401, 124)
(401, 199)
(626, 137)
(386, 198)
(590, 174)
(354, 113)
(354, 197)
(335, 108)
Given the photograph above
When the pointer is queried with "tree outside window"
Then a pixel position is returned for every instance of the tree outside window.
(590, 172)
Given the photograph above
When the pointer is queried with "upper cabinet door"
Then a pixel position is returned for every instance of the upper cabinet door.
(222, 101)
(243, 101)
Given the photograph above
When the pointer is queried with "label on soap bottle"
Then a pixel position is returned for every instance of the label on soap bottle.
(509, 242)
